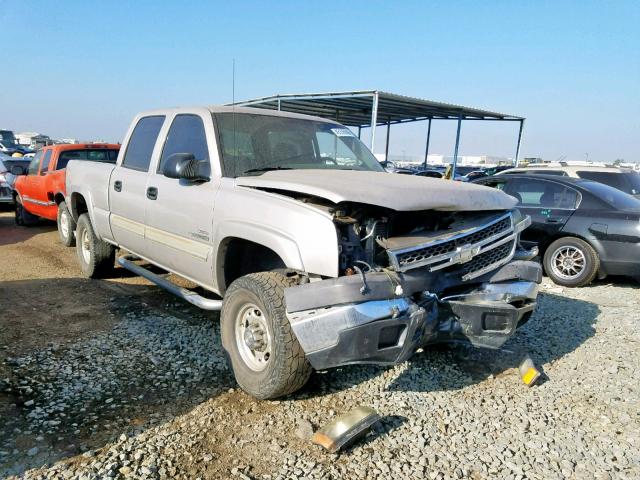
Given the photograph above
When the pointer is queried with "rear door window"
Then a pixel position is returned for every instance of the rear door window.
(186, 135)
(542, 194)
(142, 142)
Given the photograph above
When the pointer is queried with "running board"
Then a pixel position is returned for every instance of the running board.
(193, 298)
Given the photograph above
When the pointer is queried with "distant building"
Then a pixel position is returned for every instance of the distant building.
(33, 140)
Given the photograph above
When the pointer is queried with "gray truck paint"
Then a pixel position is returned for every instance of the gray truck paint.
(185, 230)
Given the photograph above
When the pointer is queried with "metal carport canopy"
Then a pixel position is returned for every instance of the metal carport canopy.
(364, 108)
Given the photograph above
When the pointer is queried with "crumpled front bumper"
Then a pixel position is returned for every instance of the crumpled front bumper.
(389, 330)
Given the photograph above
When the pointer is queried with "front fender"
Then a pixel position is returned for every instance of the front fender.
(304, 237)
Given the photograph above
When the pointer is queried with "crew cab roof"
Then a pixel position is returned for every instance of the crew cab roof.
(229, 109)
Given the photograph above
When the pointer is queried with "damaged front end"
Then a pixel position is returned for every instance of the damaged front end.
(414, 279)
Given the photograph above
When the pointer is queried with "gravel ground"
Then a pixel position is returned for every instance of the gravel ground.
(447, 413)
(115, 379)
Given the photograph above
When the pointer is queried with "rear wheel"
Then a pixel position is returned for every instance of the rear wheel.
(23, 217)
(265, 355)
(571, 262)
(96, 257)
(66, 225)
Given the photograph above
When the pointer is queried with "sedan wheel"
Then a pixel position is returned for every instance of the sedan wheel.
(571, 262)
(568, 262)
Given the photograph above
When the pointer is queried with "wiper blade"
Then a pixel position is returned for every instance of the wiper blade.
(265, 169)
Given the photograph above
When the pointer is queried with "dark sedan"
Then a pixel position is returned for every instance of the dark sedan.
(583, 228)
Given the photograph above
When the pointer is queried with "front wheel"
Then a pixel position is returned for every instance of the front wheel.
(66, 226)
(571, 262)
(265, 355)
(96, 257)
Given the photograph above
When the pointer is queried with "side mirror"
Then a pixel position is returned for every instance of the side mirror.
(18, 170)
(185, 166)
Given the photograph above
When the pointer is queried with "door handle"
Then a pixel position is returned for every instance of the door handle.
(152, 193)
(554, 220)
(117, 186)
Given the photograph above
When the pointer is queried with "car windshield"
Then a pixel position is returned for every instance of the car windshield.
(612, 196)
(252, 144)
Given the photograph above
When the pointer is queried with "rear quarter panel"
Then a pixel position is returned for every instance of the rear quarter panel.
(614, 235)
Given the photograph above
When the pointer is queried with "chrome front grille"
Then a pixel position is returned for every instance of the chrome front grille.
(486, 261)
(472, 248)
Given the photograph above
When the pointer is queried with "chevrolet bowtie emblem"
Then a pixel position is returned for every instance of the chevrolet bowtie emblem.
(466, 252)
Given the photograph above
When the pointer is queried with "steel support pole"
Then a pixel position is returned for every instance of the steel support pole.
(374, 120)
(519, 143)
(359, 131)
(278, 104)
(455, 152)
(386, 148)
(426, 149)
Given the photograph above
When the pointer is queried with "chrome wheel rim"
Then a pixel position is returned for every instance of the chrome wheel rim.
(85, 247)
(568, 262)
(64, 224)
(253, 338)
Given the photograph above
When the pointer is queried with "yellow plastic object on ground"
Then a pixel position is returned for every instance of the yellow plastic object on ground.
(528, 371)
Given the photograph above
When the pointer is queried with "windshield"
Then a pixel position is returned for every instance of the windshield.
(612, 196)
(253, 144)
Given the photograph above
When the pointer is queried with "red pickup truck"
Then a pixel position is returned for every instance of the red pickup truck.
(40, 191)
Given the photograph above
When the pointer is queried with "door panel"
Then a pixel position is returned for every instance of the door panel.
(33, 198)
(179, 217)
(128, 185)
(549, 204)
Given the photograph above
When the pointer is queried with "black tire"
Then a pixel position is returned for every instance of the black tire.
(586, 262)
(22, 217)
(66, 233)
(100, 255)
(287, 368)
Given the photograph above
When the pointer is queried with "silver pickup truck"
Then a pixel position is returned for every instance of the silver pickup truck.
(321, 258)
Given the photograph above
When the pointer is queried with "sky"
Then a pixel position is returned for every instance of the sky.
(83, 69)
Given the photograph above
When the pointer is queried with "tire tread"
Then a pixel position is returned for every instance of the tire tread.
(295, 370)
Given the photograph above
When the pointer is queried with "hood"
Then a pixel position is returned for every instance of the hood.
(390, 190)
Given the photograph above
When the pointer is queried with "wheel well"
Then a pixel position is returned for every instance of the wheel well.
(238, 257)
(78, 206)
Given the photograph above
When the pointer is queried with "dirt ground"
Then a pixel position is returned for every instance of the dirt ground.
(116, 378)
(45, 301)
(42, 287)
